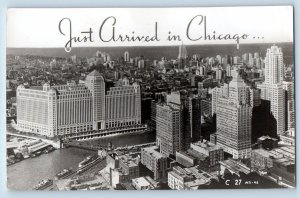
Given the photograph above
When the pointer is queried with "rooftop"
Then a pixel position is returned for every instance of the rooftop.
(94, 73)
(267, 137)
(153, 150)
(281, 152)
(235, 166)
(207, 145)
(266, 153)
(129, 160)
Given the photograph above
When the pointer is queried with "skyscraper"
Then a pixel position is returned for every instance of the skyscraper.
(228, 70)
(95, 83)
(195, 113)
(169, 128)
(190, 106)
(234, 112)
(288, 86)
(272, 88)
(182, 52)
(182, 56)
(126, 56)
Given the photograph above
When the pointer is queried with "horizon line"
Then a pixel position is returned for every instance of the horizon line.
(283, 42)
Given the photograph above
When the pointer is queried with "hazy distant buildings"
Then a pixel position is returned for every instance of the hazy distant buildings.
(236, 60)
(201, 70)
(126, 56)
(228, 70)
(74, 59)
(182, 56)
(218, 74)
(141, 63)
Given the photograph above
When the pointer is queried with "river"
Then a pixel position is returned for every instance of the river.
(27, 173)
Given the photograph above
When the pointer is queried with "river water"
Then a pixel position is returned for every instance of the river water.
(27, 173)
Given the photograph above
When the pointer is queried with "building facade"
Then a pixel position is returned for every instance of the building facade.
(288, 87)
(66, 109)
(272, 88)
(210, 152)
(57, 110)
(95, 83)
(154, 161)
(123, 105)
(169, 128)
(232, 105)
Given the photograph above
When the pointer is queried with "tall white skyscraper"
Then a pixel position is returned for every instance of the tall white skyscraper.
(182, 56)
(272, 88)
(233, 109)
(182, 52)
(274, 66)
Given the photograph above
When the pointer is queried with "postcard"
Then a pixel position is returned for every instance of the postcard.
(185, 98)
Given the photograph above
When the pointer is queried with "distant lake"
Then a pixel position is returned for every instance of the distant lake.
(157, 52)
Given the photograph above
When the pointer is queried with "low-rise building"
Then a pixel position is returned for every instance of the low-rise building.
(154, 161)
(267, 142)
(145, 183)
(233, 166)
(112, 161)
(185, 159)
(207, 155)
(122, 168)
(264, 159)
(279, 162)
(129, 163)
(187, 178)
(288, 137)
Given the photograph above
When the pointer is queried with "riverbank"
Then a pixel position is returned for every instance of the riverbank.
(27, 173)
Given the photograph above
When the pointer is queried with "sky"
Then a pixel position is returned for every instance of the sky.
(39, 27)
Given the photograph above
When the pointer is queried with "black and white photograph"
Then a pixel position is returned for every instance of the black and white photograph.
(182, 98)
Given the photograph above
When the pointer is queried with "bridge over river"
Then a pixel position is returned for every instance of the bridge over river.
(108, 148)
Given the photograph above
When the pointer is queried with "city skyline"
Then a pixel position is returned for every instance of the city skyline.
(178, 115)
